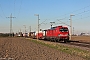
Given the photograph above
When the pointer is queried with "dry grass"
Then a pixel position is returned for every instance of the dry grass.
(70, 50)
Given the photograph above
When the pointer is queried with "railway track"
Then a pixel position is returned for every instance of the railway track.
(78, 43)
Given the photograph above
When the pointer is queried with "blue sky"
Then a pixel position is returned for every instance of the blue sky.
(48, 10)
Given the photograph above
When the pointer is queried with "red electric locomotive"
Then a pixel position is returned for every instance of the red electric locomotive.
(58, 33)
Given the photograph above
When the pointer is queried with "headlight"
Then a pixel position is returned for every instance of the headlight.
(66, 34)
(62, 35)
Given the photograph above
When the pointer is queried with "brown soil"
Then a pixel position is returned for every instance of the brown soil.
(22, 49)
(81, 38)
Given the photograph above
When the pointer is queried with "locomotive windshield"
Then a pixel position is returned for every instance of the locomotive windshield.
(63, 29)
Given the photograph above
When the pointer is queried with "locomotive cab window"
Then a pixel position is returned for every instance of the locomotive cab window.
(63, 29)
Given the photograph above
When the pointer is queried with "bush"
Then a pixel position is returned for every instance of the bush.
(6, 35)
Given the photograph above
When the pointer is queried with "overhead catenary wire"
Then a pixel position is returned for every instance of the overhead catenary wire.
(44, 21)
(83, 18)
(67, 17)
(78, 13)
(75, 11)
(82, 14)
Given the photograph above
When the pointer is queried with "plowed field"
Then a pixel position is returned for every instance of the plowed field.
(22, 49)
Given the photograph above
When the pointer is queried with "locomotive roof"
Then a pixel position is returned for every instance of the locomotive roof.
(54, 28)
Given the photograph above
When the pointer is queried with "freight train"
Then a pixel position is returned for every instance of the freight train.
(58, 33)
